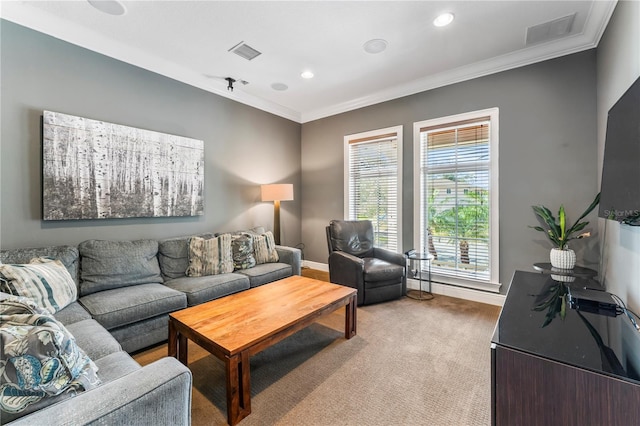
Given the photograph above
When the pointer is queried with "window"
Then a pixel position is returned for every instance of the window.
(456, 197)
(373, 183)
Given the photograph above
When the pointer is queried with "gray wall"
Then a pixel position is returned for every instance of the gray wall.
(547, 152)
(618, 68)
(244, 147)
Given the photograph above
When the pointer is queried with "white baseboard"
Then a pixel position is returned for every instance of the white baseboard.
(436, 288)
(315, 265)
(459, 292)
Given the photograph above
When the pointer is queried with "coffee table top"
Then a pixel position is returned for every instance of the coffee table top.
(236, 322)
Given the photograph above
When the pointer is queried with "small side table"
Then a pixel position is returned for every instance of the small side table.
(420, 294)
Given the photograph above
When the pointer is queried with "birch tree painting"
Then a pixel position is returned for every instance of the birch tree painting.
(98, 170)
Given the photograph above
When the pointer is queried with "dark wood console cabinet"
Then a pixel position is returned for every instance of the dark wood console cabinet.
(548, 370)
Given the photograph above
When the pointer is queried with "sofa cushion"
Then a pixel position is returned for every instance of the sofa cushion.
(210, 256)
(115, 308)
(381, 270)
(204, 289)
(44, 280)
(266, 273)
(242, 251)
(143, 333)
(173, 255)
(94, 339)
(42, 359)
(115, 365)
(106, 265)
(73, 312)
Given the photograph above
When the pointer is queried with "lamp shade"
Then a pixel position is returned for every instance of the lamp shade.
(277, 192)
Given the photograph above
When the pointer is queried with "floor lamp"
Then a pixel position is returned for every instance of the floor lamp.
(277, 192)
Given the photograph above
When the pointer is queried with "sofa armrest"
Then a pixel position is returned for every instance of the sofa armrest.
(292, 256)
(390, 256)
(156, 394)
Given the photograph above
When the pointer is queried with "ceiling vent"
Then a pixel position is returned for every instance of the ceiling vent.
(245, 51)
(551, 30)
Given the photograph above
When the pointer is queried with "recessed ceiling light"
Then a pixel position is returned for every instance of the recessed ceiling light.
(443, 20)
(375, 45)
(280, 87)
(111, 7)
(306, 74)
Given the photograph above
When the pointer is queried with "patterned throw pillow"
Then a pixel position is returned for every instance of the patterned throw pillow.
(44, 280)
(210, 256)
(40, 357)
(242, 251)
(264, 246)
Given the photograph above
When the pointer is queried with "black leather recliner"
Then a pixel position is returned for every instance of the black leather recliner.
(378, 274)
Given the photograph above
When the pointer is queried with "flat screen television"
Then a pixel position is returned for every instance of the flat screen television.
(620, 185)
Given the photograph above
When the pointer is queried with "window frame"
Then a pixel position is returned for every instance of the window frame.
(493, 283)
(371, 136)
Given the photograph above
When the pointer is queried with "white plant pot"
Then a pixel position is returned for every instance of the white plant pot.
(562, 259)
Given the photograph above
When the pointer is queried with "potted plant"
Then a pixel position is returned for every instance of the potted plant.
(560, 234)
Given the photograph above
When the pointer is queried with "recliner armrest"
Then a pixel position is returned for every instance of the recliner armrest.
(390, 256)
(346, 269)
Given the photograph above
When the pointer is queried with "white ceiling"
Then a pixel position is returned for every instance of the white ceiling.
(190, 40)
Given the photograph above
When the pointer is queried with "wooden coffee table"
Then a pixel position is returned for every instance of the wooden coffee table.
(235, 327)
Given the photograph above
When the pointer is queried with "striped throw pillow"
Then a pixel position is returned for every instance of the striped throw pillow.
(46, 281)
(264, 246)
(210, 256)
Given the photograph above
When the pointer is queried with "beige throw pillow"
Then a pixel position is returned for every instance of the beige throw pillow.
(264, 246)
(210, 256)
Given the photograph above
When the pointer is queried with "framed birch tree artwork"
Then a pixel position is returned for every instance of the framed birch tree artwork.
(97, 170)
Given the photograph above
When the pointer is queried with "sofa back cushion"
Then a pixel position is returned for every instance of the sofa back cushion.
(173, 255)
(106, 265)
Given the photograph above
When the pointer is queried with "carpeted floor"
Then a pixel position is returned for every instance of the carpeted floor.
(411, 363)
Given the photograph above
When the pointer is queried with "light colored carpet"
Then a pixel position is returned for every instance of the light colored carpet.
(411, 363)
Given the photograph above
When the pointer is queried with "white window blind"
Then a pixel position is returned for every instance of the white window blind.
(373, 184)
(457, 194)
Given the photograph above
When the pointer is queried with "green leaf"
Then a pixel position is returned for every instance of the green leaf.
(592, 206)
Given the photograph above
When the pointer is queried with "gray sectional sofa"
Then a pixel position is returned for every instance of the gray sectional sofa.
(126, 290)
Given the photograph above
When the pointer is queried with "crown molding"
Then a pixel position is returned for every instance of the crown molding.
(595, 25)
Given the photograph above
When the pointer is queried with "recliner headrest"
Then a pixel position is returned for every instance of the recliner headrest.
(352, 236)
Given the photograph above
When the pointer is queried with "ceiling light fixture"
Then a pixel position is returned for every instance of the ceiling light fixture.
(443, 19)
(110, 7)
(375, 45)
(306, 74)
(280, 87)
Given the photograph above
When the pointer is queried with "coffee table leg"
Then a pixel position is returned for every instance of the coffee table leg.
(172, 343)
(350, 318)
(238, 388)
(183, 355)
